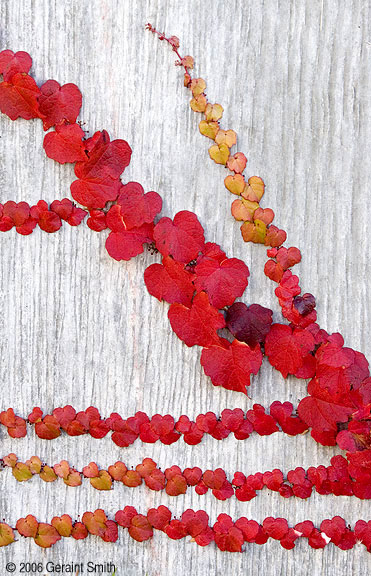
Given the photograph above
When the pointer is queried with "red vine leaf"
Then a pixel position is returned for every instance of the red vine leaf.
(138, 208)
(58, 103)
(65, 144)
(224, 280)
(63, 525)
(249, 324)
(27, 526)
(140, 529)
(231, 365)
(181, 238)
(323, 415)
(198, 324)
(128, 243)
(169, 281)
(11, 63)
(99, 175)
(286, 348)
(19, 97)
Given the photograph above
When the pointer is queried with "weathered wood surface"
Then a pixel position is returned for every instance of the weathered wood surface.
(80, 328)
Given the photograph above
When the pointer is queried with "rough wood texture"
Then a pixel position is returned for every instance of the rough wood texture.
(79, 328)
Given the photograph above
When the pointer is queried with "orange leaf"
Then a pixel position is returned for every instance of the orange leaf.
(275, 237)
(10, 460)
(198, 86)
(237, 163)
(6, 534)
(254, 232)
(73, 479)
(188, 62)
(228, 137)
(63, 525)
(117, 471)
(243, 210)
(62, 469)
(266, 215)
(209, 129)
(46, 536)
(34, 464)
(213, 112)
(47, 474)
(95, 522)
(27, 526)
(132, 479)
(219, 154)
(102, 482)
(235, 184)
(198, 104)
(254, 189)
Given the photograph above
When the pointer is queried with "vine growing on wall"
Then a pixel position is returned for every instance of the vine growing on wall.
(201, 284)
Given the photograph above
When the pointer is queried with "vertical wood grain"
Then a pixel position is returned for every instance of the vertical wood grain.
(79, 328)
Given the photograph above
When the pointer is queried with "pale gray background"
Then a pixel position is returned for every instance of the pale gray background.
(80, 328)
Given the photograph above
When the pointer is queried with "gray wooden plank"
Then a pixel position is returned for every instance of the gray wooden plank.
(77, 327)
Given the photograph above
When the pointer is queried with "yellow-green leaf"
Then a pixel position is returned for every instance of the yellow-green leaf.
(235, 184)
(209, 129)
(102, 482)
(228, 137)
(198, 86)
(21, 472)
(6, 534)
(198, 104)
(213, 112)
(219, 154)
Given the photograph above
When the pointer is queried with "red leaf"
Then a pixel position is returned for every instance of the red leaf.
(48, 429)
(182, 238)
(140, 529)
(176, 530)
(97, 220)
(67, 211)
(169, 281)
(65, 144)
(58, 103)
(230, 367)
(124, 517)
(99, 175)
(195, 522)
(323, 415)
(64, 415)
(129, 243)
(27, 526)
(196, 325)
(11, 63)
(19, 97)
(227, 536)
(224, 281)
(159, 517)
(79, 531)
(288, 257)
(138, 208)
(249, 324)
(286, 348)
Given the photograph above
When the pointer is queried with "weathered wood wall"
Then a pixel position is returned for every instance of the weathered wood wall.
(80, 328)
